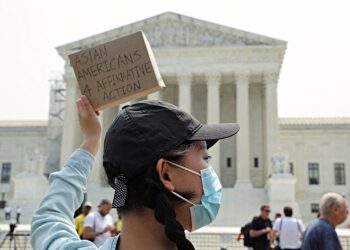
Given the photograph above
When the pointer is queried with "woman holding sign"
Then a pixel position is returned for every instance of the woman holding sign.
(155, 157)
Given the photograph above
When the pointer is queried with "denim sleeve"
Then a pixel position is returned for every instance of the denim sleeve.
(53, 224)
(322, 239)
(311, 242)
(331, 241)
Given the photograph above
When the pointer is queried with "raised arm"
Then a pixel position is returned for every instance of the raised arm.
(53, 223)
(90, 126)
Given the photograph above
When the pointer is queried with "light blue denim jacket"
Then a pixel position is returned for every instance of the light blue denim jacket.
(53, 223)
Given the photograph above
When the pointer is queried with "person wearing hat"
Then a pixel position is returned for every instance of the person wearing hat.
(98, 226)
(156, 159)
(79, 220)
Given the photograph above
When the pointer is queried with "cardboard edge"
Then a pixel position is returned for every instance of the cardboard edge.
(153, 61)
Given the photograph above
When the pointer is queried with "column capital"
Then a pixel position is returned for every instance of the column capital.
(213, 77)
(184, 77)
(271, 77)
(242, 77)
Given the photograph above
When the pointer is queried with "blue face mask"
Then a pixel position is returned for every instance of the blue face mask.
(204, 213)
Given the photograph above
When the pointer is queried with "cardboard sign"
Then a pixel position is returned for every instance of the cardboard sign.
(118, 71)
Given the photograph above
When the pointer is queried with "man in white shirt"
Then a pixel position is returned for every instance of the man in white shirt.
(98, 226)
(7, 211)
(18, 213)
(289, 230)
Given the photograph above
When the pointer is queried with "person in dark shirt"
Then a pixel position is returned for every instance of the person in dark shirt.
(321, 234)
(261, 229)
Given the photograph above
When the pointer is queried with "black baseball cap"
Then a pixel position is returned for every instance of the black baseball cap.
(144, 131)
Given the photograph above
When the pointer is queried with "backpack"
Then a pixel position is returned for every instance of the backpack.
(247, 240)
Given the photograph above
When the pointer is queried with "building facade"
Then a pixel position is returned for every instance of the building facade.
(318, 157)
(221, 74)
(23, 150)
(21, 142)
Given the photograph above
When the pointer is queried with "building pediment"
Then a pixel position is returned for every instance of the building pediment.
(175, 30)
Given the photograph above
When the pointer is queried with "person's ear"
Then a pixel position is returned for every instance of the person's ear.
(334, 209)
(165, 176)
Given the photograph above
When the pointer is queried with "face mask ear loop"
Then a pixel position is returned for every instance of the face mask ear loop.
(187, 169)
(183, 198)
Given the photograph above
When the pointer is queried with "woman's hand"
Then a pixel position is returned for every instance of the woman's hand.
(89, 124)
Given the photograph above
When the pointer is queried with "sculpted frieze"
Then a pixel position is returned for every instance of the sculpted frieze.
(174, 33)
(171, 33)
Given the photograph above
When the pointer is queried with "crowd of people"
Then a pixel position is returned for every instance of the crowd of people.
(288, 233)
(155, 157)
(8, 213)
(97, 226)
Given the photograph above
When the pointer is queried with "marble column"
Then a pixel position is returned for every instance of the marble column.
(184, 82)
(154, 96)
(106, 118)
(242, 145)
(71, 135)
(271, 121)
(213, 113)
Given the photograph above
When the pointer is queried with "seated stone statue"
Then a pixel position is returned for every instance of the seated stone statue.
(280, 163)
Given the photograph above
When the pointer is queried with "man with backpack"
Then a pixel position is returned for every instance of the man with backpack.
(289, 230)
(247, 240)
(261, 229)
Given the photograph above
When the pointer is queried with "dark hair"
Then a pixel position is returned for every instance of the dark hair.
(147, 190)
(288, 211)
(263, 207)
(278, 215)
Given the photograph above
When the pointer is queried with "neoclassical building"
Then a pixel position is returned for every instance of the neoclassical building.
(221, 74)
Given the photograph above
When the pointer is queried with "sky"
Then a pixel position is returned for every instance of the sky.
(314, 79)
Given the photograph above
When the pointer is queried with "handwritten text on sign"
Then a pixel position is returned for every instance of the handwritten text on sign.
(124, 72)
(117, 71)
